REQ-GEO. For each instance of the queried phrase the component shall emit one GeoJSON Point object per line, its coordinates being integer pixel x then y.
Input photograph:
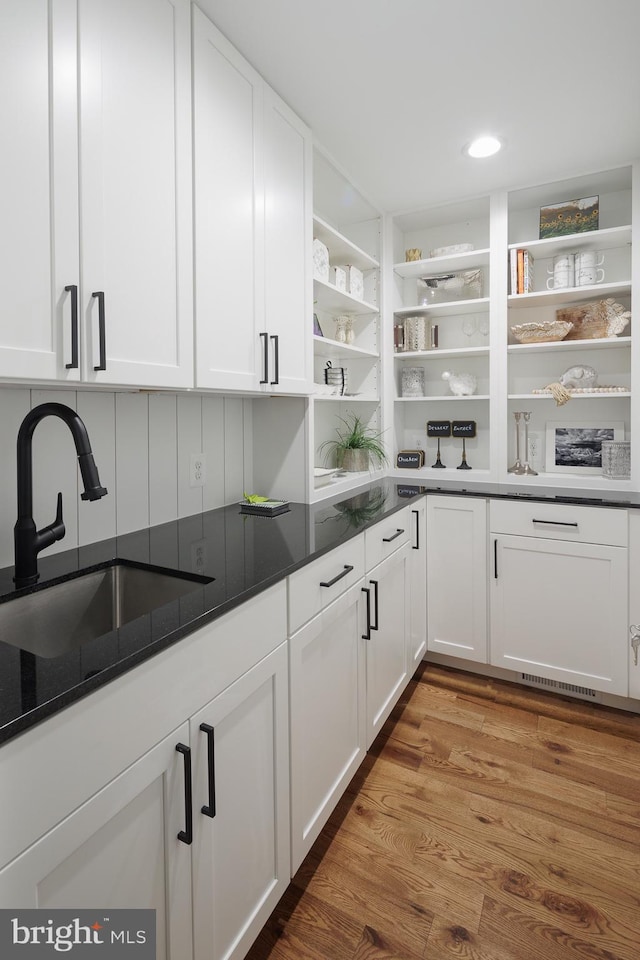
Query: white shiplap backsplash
{"type": "Point", "coordinates": [142, 444]}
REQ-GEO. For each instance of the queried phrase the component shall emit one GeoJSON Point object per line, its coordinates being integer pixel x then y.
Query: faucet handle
{"type": "Point", "coordinates": [54, 531]}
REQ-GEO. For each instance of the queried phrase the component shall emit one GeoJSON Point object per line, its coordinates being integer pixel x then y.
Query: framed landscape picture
{"type": "Point", "coordinates": [570, 216]}
{"type": "Point", "coordinates": [577, 447]}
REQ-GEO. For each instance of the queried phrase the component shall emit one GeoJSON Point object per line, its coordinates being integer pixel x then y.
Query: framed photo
{"type": "Point", "coordinates": [577, 447]}
{"type": "Point", "coordinates": [570, 216]}
{"type": "Point", "coordinates": [317, 329]}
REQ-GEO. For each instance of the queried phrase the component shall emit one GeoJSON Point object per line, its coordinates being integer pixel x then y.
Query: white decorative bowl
{"type": "Point", "coordinates": [545, 332]}
{"type": "Point", "coordinates": [451, 250]}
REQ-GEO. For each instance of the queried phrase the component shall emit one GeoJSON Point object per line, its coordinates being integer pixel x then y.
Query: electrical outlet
{"type": "Point", "coordinates": [418, 445]}
{"type": "Point", "coordinates": [197, 471]}
{"type": "Point", "coordinates": [198, 556]}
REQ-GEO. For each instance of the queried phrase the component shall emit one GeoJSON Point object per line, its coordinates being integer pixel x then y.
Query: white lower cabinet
{"type": "Point", "coordinates": [418, 578]}
{"type": "Point", "coordinates": [118, 850]}
{"type": "Point", "coordinates": [327, 701]}
{"type": "Point", "coordinates": [387, 633]}
{"type": "Point", "coordinates": [559, 610]}
{"type": "Point", "coordinates": [633, 637]}
{"type": "Point", "coordinates": [457, 577]}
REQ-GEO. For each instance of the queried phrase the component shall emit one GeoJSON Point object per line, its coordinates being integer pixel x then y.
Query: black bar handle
{"type": "Point", "coordinates": [556, 523]}
{"type": "Point", "coordinates": [376, 625]}
{"type": "Point", "coordinates": [396, 534]}
{"type": "Point", "coordinates": [102, 364]}
{"type": "Point", "coordinates": [367, 635]}
{"type": "Point", "coordinates": [495, 559]}
{"type": "Point", "coordinates": [417, 543]}
{"type": "Point", "coordinates": [186, 835]}
{"type": "Point", "coordinates": [329, 583]}
{"type": "Point", "coordinates": [276, 357]}
{"type": "Point", "coordinates": [265, 347]}
{"type": "Point", "coordinates": [210, 809]}
{"type": "Point", "coordinates": [73, 290]}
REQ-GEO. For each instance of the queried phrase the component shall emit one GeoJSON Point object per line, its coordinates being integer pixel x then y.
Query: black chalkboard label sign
{"type": "Point", "coordinates": [411, 459]}
{"type": "Point", "coordinates": [408, 489]}
{"type": "Point", "coordinates": [438, 428]}
{"type": "Point", "coordinates": [463, 428]}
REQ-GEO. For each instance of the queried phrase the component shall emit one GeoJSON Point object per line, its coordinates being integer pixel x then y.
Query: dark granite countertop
{"type": "Point", "coordinates": [243, 554]}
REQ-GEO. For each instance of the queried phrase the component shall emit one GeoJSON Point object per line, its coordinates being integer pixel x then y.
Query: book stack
{"type": "Point", "coordinates": [521, 270]}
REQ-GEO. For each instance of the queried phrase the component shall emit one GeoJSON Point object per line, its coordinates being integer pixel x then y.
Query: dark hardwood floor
{"type": "Point", "coordinates": [488, 822]}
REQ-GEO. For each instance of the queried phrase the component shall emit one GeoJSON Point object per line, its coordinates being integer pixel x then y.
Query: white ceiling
{"type": "Point", "coordinates": [393, 89]}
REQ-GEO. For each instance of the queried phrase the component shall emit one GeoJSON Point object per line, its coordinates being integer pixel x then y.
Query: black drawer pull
{"type": "Point", "coordinates": [209, 809]}
{"type": "Point", "coordinates": [376, 625]}
{"type": "Point", "coordinates": [265, 347]}
{"type": "Point", "coordinates": [495, 559]}
{"type": "Point", "coordinates": [102, 362]}
{"type": "Point", "coordinates": [73, 290]}
{"type": "Point", "coordinates": [186, 835]}
{"type": "Point", "coordinates": [367, 635]}
{"type": "Point", "coordinates": [276, 358]}
{"type": "Point", "coordinates": [329, 583]}
{"type": "Point", "coordinates": [556, 523]}
{"type": "Point", "coordinates": [396, 534]}
{"type": "Point", "coordinates": [416, 545]}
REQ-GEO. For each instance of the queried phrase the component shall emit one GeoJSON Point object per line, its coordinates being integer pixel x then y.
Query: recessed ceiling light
{"type": "Point", "coordinates": [483, 147]}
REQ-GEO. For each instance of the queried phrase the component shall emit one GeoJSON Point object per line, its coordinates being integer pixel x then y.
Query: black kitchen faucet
{"type": "Point", "coordinates": [28, 540]}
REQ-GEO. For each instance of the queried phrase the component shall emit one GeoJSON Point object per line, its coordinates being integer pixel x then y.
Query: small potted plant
{"type": "Point", "coordinates": [356, 446]}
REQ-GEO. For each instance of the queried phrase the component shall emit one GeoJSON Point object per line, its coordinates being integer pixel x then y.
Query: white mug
{"type": "Point", "coordinates": [563, 272]}
{"type": "Point", "coordinates": [587, 268]}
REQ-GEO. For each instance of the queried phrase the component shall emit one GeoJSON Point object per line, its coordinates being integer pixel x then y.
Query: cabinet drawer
{"type": "Point", "coordinates": [387, 536]}
{"type": "Point", "coordinates": [556, 521]}
{"type": "Point", "coordinates": [319, 583]}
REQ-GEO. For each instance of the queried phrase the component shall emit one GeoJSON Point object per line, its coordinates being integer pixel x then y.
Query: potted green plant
{"type": "Point", "coordinates": [356, 445]}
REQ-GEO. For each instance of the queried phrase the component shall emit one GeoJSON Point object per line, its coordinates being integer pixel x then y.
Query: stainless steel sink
{"type": "Point", "coordinates": [54, 619]}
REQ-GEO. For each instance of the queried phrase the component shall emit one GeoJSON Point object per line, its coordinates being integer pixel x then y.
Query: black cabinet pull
{"type": "Point", "coordinates": [556, 523]}
{"type": "Point", "coordinates": [186, 835]}
{"type": "Point", "coordinates": [73, 290]}
{"type": "Point", "coordinates": [417, 516]}
{"type": "Point", "coordinates": [367, 635]}
{"type": "Point", "coordinates": [495, 559]}
{"type": "Point", "coordinates": [396, 534]}
{"type": "Point", "coordinates": [329, 583]}
{"type": "Point", "coordinates": [375, 626]}
{"type": "Point", "coordinates": [102, 342]}
{"type": "Point", "coordinates": [210, 809]}
{"type": "Point", "coordinates": [265, 354]}
{"type": "Point", "coordinates": [276, 358]}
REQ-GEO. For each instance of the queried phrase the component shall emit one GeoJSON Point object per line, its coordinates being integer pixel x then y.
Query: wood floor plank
{"type": "Point", "coordinates": [461, 838]}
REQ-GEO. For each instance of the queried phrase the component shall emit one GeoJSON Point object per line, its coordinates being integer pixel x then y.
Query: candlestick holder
{"type": "Point", "coordinates": [527, 469]}
{"type": "Point", "coordinates": [517, 467]}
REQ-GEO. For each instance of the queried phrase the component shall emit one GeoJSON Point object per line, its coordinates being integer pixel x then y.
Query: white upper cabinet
{"type": "Point", "coordinates": [39, 253]}
{"type": "Point", "coordinates": [135, 157]}
{"type": "Point", "coordinates": [252, 226]}
{"type": "Point", "coordinates": [108, 83]}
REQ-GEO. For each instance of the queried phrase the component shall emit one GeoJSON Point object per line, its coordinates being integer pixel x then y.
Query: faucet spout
{"type": "Point", "coordinates": [29, 541]}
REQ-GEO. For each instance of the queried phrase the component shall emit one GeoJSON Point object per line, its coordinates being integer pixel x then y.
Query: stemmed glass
{"type": "Point", "coordinates": [483, 326]}
{"type": "Point", "coordinates": [469, 327]}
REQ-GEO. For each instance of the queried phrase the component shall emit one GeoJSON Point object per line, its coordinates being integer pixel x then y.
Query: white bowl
{"type": "Point", "coordinates": [451, 250]}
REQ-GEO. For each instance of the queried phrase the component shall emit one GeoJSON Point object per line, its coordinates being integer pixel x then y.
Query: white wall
{"type": "Point", "coordinates": [142, 444]}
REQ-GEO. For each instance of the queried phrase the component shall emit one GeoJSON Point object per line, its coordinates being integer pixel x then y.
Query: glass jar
{"type": "Point", "coordinates": [413, 382]}
{"type": "Point", "coordinates": [415, 333]}
{"type": "Point", "coordinates": [616, 459]}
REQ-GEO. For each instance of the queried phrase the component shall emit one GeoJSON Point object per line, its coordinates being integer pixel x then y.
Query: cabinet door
{"type": "Point", "coordinates": [559, 610]}
{"type": "Point", "coordinates": [135, 168]}
{"type": "Point", "coordinates": [287, 246]}
{"type": "Point", "coordinates": [386, 645]}
{"type": "Point", "coordinates": [228, 212]}
{"type": "Point", "coordinates": [326, 663]}
{"type": "Point", "coordinates": [119, 849]}
{"type": "Point", "coordinates": [457, 577]}
{"type": "Point", "coordinates": [418, 574]}
{"type": "Point", "coordinates": [241, 853]}
{"type": "Point", "coordinates": [633, 637]}
{"type": "Point", "coordinates": [39, 253]}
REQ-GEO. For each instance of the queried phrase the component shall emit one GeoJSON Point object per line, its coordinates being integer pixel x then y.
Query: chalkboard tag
{"type": "Point", "coordinates": [438, 428]}
{"type": "Point", "coordinates": [410, 459]}
{"type": "Point", "coordinates": [463, 428]}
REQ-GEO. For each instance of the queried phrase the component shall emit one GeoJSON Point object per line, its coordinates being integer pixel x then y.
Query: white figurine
{"type": "Point", "coordinates": [579, 376]}
{"type": "Point", "coordinates": [460, 384]}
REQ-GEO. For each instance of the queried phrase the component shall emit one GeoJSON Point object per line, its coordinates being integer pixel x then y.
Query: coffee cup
{"type": "Point", "coordinates": [588, 268]}
{"type": "Point", "coordinates": [562, 272]}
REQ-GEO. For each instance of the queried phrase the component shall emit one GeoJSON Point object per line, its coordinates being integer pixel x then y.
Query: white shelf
{"type": "Point", "coordinates": [569, 294]}
{"type": "Point", "coordinates": [474, 475]}
{"type": "Point", "coordinates": [330, 486]}
{"type": "Point", "coordinates": [324, 347]}
{"type": "Point", "coordinates": [445, 397]}
{"type": "Point", "coordinates": [578, 396]}
{"type": "Point", "coordinates": [345, 398]}
{"type": "Point", "coordinates": [564, 345]}
{"type": "Point", "coordinates": [607, 239]}
{"type": "Point", "coordinates": [342, 250]}
{"type": "Point", "coordinates": [437, 352]}
{"type": "Point", "coordinates": [330, 298]}
{"type": "Point", "coordinates": [432, 266]}
{"type": "Point", "coordinates": [450, 308]}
